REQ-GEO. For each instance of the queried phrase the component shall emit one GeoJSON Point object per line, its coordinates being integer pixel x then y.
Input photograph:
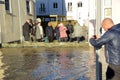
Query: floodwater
{"type": "Point", "coordinates": [46, 64]}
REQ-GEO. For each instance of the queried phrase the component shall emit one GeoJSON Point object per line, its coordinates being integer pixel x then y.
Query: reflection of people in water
{"type": "Point", "coordinates": [64, 60]}
{"type": "Point", "coordinates": [30, 58]}
{"type": "Point", "coordinates": [56, 66]}
{"type": "Point", "coordinates": [59, 66]}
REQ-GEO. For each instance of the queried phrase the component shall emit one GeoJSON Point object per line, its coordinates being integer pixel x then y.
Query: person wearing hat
{"type": "Point", "coordinates": [39, 30]}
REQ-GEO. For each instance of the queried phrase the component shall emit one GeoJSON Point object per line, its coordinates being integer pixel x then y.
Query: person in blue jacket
{"type": "Point", "coordinates": [111, 40]}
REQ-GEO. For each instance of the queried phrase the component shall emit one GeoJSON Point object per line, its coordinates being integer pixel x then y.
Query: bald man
{"type": "Point", "coordinates": [111, 40]}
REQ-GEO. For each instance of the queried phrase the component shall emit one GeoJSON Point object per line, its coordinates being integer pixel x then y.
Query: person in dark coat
{"type": "Point", "coordinates": [70, 30]}
{"type": "Point", "coordinates": [49, 32]}
{"type": "Point", "coordinates": [57, 33]}
{"type": "Point", "coordinates": [27, 29]}
{"type": "Point", "coordinates": [33, 32]}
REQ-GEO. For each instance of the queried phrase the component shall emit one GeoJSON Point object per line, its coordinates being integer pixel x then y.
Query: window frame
{"type": "Point", "coordinates": [69, 6]}
{"type": "Point", "coordinates": [29, 7]}
{"type": "Point", "coordinates": [42, 8]}
{"type": "Point", "coordinates": [55, 5]}
{"type": "Point", "coordinates": [8, 5]}
{"type": "Point", "coordinates": [80, 4]}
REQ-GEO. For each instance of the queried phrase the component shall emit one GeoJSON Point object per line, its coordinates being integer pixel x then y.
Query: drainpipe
{"type": "Point", "coordinates": [34, 9]}
{"type": "Point", "coordinates": [97, 31]}
{"type": "Point", "coordinates": [1, 3]}
{"type": "Point", "coordinates": [20, 23]}
{"type": "Point", "coordinates": [0, 30]}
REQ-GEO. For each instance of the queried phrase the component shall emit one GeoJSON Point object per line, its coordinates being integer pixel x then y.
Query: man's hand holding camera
{"type": "Point", "coordinates": [95, 37]}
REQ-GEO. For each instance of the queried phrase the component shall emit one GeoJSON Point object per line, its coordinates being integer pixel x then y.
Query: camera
{"type": "Point", "coordinates": [95, 36]}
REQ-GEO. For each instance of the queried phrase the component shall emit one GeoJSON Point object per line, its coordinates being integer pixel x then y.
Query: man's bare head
{"type": "Point", "coordinates": [107, 23]}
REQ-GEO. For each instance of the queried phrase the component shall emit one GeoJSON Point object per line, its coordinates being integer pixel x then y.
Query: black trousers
{"type": "Point", "coordinates": [113, 72]}
{"type": "Point", "coordinates": [70, 37]}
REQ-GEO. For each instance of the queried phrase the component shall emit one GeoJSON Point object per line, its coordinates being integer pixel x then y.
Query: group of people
{"type": "Point", "coordinates": [33, 31]}
{"type": "Point", "coordinates": [63, 33]}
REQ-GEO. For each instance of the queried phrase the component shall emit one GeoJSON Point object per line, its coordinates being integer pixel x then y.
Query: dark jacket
{"type": "Point", "coordinates": [26, 31]}
{"type": "Point", "coordinates": [49, 32]}
{"type": "Point", "coordinates": [111, 40]}
{"type": "Point", "coordinates": [70, 28]}
{"type": "Point", "coordinates": [57, 32]}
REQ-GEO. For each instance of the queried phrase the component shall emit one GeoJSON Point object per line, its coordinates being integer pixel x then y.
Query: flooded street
{"type": "Point", "coordinates": [46, 64]}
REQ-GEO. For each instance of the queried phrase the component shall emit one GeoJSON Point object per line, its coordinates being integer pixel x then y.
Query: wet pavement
{"type": "Point", "coordinates": [46, 64]}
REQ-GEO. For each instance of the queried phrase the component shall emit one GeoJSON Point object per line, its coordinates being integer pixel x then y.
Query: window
{"type": "Point", "coordinates": [70, 6]}
{"type": "Point", "coordinates": [42, 8]}
{"type": "Point", "coordinates": [55, 5]}
{"type": "Point", "coordinates": [8, 6]}
{"type": "Point", "coordinates": [80, 4]}
{"type": "Point", "coordinates": [108, 3]}
{"type": "Point", "coordinates": [29, 6]}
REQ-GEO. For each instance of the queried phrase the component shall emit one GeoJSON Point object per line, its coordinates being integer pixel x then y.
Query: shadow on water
{"type": "Point", "coordinates": [45, 64]}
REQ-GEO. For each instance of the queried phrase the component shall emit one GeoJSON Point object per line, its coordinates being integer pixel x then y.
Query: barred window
{"type": "Point", "coordinates": [42, 8]}
{"type": "Point", "coordinates": [70, 6]}
{"type": "Point", "coordinates": [55, 5]}
{"type": "Point", "coordinates": [80, 4]}
{"type": "Point", "coordinates": [8, 6]}
{"type": "Point", "coordinates": [29, 6]}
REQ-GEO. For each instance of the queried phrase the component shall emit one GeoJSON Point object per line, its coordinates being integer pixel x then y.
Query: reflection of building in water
{"type": "Point", "coordinates": [61, 65]}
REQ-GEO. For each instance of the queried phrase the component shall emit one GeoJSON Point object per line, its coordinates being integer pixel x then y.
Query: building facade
{"type": "Point", "coordinates": [50, 7]}
{"type": "Point", "coordinates": [77, 10]}
{"type": "Point", "coordinates": [73, 10]}
{"type": "Point", "coordinates": [98, 10]}
{"type": "Point", "coordinates": [13, 14]}
{"type": "Point", "coordinates": [110, 8]}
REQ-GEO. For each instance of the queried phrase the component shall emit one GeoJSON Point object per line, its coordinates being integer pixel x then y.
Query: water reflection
{"type": "Point", "coordinates": [1, 64]}
{"type": "Point", "coordinates": [45, 64]}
